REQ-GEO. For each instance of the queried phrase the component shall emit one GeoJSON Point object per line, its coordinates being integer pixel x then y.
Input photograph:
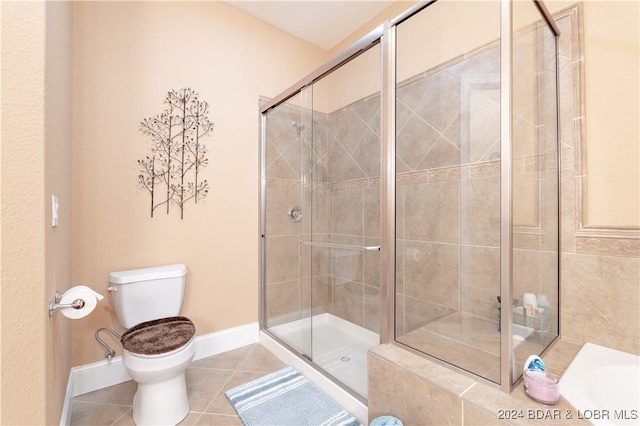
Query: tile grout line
{"type": "Point", "coordinates": [467, 389]}
{"type": "Point", "coordinates": [233, 372]}
{"type": "Point", "coordinates": [123, 414]}
{"type": "Point", "coordinates": [216, 395]}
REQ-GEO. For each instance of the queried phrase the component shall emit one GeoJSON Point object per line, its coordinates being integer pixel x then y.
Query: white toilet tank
{"type": "Point", "coordinates": [141, 295]}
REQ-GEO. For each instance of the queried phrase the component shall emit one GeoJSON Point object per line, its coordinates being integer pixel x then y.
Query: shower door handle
{"type": "Point", "coordinates": [342, 246]}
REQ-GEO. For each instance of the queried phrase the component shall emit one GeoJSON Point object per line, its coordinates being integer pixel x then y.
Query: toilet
{"type": "Point", "coordinates": [158, 344]}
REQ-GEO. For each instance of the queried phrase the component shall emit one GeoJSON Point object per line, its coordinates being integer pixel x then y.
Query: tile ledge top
{"type": "Point", "coordinates": [495, 402]}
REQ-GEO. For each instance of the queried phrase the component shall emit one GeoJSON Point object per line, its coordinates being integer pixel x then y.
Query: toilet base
{"type": "Point", "coordinates": [161, 403]}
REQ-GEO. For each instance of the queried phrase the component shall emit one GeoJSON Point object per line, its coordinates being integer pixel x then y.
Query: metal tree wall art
{"type": "Point", "coordinates": [171, 173]}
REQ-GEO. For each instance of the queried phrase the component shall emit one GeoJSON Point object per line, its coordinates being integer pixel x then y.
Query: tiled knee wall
{"type": "Point", "coordinates": [419, 391]}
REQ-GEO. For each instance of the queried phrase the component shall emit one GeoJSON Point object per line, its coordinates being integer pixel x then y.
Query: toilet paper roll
{"type": "Point", "coordinates": [83, 292]}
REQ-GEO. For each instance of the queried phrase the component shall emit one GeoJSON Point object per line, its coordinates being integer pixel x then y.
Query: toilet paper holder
{"type": "Point", "coordinates": [57, 306]}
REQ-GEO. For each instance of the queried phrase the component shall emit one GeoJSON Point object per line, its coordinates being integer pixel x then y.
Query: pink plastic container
{"type": "Point", "coordinates": [542, 387]}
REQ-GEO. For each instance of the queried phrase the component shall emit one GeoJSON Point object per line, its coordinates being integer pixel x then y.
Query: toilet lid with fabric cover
{"type": "Point", "coordinates": [158, 336]}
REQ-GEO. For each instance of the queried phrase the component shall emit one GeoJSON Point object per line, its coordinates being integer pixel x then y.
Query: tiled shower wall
{"type": "Point", "coordinates": [352, 161]}
{"type": "Point", "coordinates": [340, 202]}
{"type": "Point", "coordinates": [283, 190]}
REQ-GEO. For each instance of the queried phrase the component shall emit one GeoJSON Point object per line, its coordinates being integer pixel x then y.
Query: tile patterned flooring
{"type": "Point", "coordinates": [207, 380]}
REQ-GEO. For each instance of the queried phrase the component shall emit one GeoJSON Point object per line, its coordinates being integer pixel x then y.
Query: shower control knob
{"type": "Point", "coordinates": [294, 214]}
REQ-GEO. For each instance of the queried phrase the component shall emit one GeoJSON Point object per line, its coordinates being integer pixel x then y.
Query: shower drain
{"type": "Point", "coordinates": [345, 359]}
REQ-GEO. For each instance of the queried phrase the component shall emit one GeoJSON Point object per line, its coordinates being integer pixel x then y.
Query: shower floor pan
{"type": "Point", "coordinates": [339, 347]}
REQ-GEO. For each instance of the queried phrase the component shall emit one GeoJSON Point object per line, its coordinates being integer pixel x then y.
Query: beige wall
{"type": "Point", "coordinates": [612, 137]}
{"type": "Point", "coordinates": [22, 225]}
{"type": "Point", "coordinates": [36, 142]}
{"type": "Point", "coordinates": [127, 55]}
{"type": "Point", "coordinates": [612, 73]}
{"type": "Point", "coordinates": [390, 12]}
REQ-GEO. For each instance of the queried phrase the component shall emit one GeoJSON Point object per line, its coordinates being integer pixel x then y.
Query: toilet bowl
{"type": "Point", "coordinates": [156, 355]}
{"type": "Point", "coordinates": [161, 397]}
{"type": "Point", "coordinates": [158, 344]}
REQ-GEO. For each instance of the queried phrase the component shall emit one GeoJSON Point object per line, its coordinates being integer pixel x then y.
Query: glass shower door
{"type": "Point", "coordinates": [448, 186]}
{"type": "Point", "coordinates": [343, 192]}
{"type": "Point", "coordinates": [535, 176]}
{"type": "Point", "coordinates": [477, 212]}
{"type": "Point", "coordinates": [287, 294]}
{"type": "Point", "coordinates": [321, 221]}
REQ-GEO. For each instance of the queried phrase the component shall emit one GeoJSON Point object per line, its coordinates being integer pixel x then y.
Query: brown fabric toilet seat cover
{"type": "Point", "coordinates": [159, 336]}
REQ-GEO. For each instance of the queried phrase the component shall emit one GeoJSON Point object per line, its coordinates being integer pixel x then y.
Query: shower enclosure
{"type": "Point", "coordinates": [409, 195]}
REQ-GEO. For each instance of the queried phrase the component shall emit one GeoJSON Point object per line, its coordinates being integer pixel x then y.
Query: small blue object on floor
{"type": "Point", "coordinates": [386, 421]}
{"type": "Point", "coordinates": [286, 397]}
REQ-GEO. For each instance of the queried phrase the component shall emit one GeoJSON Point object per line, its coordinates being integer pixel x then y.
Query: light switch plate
{"type": "Point", "coordinates": [54, 211]}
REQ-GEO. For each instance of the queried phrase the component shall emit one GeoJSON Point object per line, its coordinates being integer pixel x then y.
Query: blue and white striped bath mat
{"type": "Point", "coordinates": [286, 398]}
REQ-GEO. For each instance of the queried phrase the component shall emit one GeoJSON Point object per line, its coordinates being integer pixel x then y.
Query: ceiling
{"type": "Point", "coordinates": [323, 23]}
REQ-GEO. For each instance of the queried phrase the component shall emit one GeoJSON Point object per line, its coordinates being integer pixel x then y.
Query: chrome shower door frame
{"type": "Point", "coordinates": [368, 41]}
{"type": "Point", "coordinates": [508, 377]}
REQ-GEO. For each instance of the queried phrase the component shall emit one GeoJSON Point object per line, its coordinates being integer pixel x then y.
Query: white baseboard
{"type": "Point", "coordinates": [226, 340]}
{"type": "Point", "coordinates": [67, 405]}
{"type": "Point", "coordinates": [98, 375]}
{"type": "Point", "coordinates": [102, 374]}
